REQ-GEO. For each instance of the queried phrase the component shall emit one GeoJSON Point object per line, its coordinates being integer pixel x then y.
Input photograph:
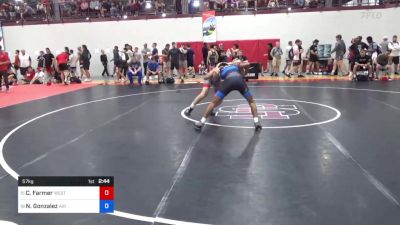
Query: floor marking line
{"type": "Point", "coordinates": [385, 103]}
{"type": "Point", "coordinates": [162, 205]}
{"type": "Point", "coordinates": [373, 180]}
{"type": "Point", "coordinates": [15, 175]}
{"type": "Point", "coordinates": [337, 116]}
{"type": "Point", "coordinates": [75, 139]}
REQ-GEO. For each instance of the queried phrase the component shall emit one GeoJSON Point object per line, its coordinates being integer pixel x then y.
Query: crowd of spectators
{"type": "Point", "coordinates": [21, 10]}
{"type": "Point", "coordinates": [145, 63]}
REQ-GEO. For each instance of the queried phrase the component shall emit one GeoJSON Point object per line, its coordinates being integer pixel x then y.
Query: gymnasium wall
{"type": "Point", "coordinates": [104, 35]}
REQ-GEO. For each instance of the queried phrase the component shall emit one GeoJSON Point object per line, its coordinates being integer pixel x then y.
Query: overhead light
{"type": "Point", "coordinates": [148, 5]}
{"type": "Point", "coordinates": [289, 9]}
{"type": "Point", "coordinates": [196, 3]}
{"type": "Point", "coordinates": [163, 15]}
{"type": "Point", "coordinates": [125, 17]}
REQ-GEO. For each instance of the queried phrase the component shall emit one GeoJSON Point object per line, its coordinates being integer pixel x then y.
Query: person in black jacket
{"type": "Point", "coordinates": [104, 61]}
{"type": "Point", "coordinates": [85, 59]}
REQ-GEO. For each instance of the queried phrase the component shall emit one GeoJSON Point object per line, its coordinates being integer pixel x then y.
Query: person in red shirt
{"type": "Point", "coordinates": [4, 65]}
{"type": "Point", "coordinates": [62, 61]}
{"type": "Point", "coordinates": [30, 74]}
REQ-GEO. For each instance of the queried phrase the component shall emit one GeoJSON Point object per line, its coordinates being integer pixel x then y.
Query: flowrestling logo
{"type": "Point", "coordinates": [273, 113]}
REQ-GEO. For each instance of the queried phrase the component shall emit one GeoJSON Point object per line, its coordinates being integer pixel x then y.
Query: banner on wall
{"type": "Point", "coordinates": [209, 27]}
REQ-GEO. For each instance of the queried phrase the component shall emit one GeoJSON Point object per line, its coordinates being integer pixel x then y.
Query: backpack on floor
{"type": "Point", "coordinates": [75, 80]}
{"type": "Point", "coordinates": [170, 80]}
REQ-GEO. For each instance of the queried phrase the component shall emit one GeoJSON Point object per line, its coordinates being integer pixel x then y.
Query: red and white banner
{"type": "Point", "coordinates": [209, 27]}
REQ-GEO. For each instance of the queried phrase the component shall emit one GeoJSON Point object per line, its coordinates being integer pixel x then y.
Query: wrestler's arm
{"type": "Point", "coordinates": [210, 74]}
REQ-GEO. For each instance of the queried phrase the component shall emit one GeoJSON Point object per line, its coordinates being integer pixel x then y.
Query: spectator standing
{"type": "Point", "coordinates": [130, 53]}
{"type": "Point", "coordinates": [183, 60]}
{"type": "Point", "coordinates": [313, 58]}
{"type": "Point", "coordinates": [174, 55]}
{"type": "Point", "coordinates": [276, 58]}
{"type": "Point", "coordinates": [4, 65]}
{"type": "Point", "coordinates": [394, 47]}
{"type": "Point", "coordinates": [116, 60]}
{"type": "Point", "coordinates": [73, 62]}
{"type": "Point", "coordinates": [85, 58]}
{"type": "Point", "coordinates": [166, 63]}
{"type": "Point", "coordinates": [124, 56]}
{"type": "Point", "coordinates": [296, 65]}
{"type": "Point", "coordinates": [221, 53]}
{"type": "Point", "coordinates": [48, 64]}
{"type": "Point", "coordinates": [212, 58]}
{"type": "Point", "coordinates": [384, 45]}
{"type": "Point", "coordinates": [339, 50]}
{"type": "Point", "coordinates": [104, 62]}
{"type": "Point", "coordinates": [154, 52]}
{"type": "Point", "coordinates": [146, 53]}
{"type": "Point", "coordinates": [233, 52]}
{"type": "Point", "coordinates": [289, 57]}
{"type": "Point", "coordinates": [62, 60]}
{"type": "Point", "coordinates": [25, 62]}
{"type": "Point", "coordinates": [40, 61]}
{"type": "Point", "coordinates": [190, 60]}
{"type": "Point", "coordinates": [373, 51]}
{"type": "Point", "coordinates": [270, 58]}
{"type": "Point", "coordinates": [17, 62]}
{"type": "Point", "coordinates": [205, 50]}
{"type": "Point", "coordinates": [139, 57]}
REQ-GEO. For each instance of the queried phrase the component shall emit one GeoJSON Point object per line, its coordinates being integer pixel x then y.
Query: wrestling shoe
{"type": "Point", "coordinates": [188, 111]}
{"type": "Point", "coordinates": [198, 125]}
{"type": "Point", "coordinates": [258, 126]}
{"type": "Point", "coordinates": [147, 82]}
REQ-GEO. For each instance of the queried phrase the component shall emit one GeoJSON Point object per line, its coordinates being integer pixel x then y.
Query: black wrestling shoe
{"type": "Point", "coordinates": [188, 111]}
{"type": "Point", "coordinates": [198, 125]}
{"type": "Point", "coordinates": [147, 82]}
{"type": "Point", "coordinates": [258, 126]}
{"type": "Point", "coordinates": [288, 75]}
{"type": "Point", "coordinates": [300, 76]}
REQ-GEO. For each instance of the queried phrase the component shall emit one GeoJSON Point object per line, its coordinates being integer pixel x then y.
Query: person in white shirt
{"type": "Point", "coordinates": [296, 65]}
{"type": "Point", "coordinates": [25, 62]}
{"type": "Point", "coordinates": [289, 57]}
{"type": "Point", "coordinates": [73, 62]}
{"type": "Point", "coordinates": [39, 78]}
{"type": "Point", "coordinates": [394, 47]}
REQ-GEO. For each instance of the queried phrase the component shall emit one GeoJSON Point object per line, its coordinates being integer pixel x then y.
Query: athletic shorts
{"type": "Point", "coordinates": [63, 67]}
{"type": "Point", "coordinates": [174, 65]}
{"type": "Point", "coordinates": [234, 82]}
{"type": "Point", "coordinates": [86, 65]}
{"type": "Point", "coordinates": [339, 57]}
{"type": "Point", "coordinates": [23, 70]}
{"type": "Point", "coordinates": [183, 64]}
{"type": "Point", "coordinates": [190, 63]}
{"type": "Point", "coordinates": [313, 58]}
{"type": "Point", "coordinates": [296, 62]}
{"type": "Point", "coordinates": [49, 69]}
{"type": "Point", "coordinates": [167, 65]}
{"type": "Point", "coordinates": [395, 60]}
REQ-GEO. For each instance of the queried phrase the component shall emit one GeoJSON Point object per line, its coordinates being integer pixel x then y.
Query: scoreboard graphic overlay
{"type": "Point", "coordinates": [65, 194]}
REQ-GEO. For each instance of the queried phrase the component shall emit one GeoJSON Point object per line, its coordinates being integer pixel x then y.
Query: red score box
{"type": "Point", "coordinates": [106, 193]}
